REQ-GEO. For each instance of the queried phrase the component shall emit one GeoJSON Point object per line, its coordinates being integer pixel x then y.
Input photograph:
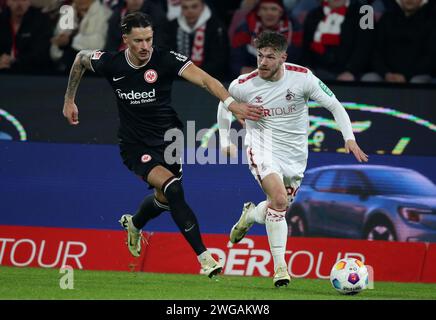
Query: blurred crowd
{"type": "Point", "coordinates": [337, 39]}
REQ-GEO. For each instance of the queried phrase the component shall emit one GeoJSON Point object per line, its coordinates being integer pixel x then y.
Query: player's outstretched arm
{"type": "Point", "coordinates": [81, 63]}
{"type": "Point", "coordinates": [344, 123]}
{"type": "Point", "coordinates": [318, 91]}
{"type": "Point", "coordinates": [241, 110]}
{"type": "Point", "coordinates": [352, 146]}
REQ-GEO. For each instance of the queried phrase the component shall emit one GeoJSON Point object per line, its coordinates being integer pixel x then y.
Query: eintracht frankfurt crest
{"type": "Point", "coordinates": [150, 76]}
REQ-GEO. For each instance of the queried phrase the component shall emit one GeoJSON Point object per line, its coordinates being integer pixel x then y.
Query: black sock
{"type": "Point", "coordinates": [150, 208]}
{"type": "Point", "coordinates": [183, 215]}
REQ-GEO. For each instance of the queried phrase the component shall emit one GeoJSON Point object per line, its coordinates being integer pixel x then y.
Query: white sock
{"type": "Point", "coordinates": [277, 230]}
{"type": "Point", "coordinates": [259, 213]}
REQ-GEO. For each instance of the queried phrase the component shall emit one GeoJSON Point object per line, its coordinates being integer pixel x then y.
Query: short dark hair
{"type": "Point", "coordinates": [271, 39]}
{"type": "Point", "coordinates": [135, 20]}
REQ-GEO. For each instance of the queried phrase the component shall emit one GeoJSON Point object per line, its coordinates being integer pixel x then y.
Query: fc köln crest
{"type": "Point", "coordinates": [290, 95]}
{"type": "Point", "coordinates": [150, 76]}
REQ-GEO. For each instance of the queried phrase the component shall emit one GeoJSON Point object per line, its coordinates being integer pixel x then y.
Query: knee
{"type": "Point", "coordinates": [279, 201]}
{"type": "Point", "coordinates": [173, 190]}
{"type": "Point", "coordinates": [160, 196]}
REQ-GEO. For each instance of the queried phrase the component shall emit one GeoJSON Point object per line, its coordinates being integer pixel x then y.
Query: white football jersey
{"type": "Point", "coordinates": [285, 109]}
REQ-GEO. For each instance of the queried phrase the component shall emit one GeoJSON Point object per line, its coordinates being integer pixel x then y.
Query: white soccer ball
{"type": "Point", "coordinates": [349, 276]}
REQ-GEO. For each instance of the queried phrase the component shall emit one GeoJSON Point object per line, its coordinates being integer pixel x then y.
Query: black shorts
{"type": "Point", "coordinates": [141, 159]}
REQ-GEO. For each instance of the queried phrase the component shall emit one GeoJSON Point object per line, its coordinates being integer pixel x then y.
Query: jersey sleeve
{"type": "Point", "coordinates": [316, 90]}
{"type": "Point", "coordinates": [176, 62]}
{"type": "Point", "coordinates": [225, 117]}
{"type": "Point", "coordinates": [224, 120]}
{"type": "Point", "coordinates": [100, 62]}
{"type": "Point", "coordinates": [235, 92]}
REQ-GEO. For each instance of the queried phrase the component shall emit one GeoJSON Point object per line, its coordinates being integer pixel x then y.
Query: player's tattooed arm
{"type": "Point", "coordinates": [81, 63]}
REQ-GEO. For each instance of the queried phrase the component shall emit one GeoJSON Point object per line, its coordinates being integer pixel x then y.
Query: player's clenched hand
{"type": "Point", "coordinates": [246, 111]}
{"type": "Point", "coordinates": [71, 112]}
{"type": "Point", "coordinates": [352, 146]}
{"type": "Point", "coordinates": [230, 150]}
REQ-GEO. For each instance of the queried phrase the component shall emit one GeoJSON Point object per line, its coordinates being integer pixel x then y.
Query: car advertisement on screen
{"type": "Point", "coordinates": [373, 202]}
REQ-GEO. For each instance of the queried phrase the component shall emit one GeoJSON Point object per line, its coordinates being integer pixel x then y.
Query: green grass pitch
{"type": "Point", "coordinates": [36, 283]}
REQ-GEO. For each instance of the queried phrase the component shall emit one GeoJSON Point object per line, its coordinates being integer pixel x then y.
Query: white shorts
{"type": "Point", "coordinates": [291, 172]}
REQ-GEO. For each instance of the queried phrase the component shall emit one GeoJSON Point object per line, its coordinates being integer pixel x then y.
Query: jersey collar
{"type": "Point", "coordinates": [130, 63]}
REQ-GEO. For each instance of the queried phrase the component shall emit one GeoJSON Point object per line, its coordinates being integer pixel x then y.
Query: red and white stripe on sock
{"type": "Point", "coordinates": [274, 215]}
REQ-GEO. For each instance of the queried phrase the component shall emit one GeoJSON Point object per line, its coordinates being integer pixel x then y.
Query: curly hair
{"type": "Point", "coordinates": [271, 39]}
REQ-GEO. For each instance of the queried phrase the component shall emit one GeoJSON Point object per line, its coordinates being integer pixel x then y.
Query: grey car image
{"type": "Point", "coordinates": [364, 202]}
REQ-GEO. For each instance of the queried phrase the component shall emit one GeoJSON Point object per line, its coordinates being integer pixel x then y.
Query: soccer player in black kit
{"type": "Point", "coordinates": [141, 77]}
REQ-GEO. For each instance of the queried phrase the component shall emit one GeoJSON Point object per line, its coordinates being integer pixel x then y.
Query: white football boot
{"type": "Point", "coordinates": [281, 277]}
{"type": "Point", "coordinates": [209, 266]}
{"type": "Point", "coordinates": [240, 229]}
{"type": "Point", "coordinates": [134, 236]}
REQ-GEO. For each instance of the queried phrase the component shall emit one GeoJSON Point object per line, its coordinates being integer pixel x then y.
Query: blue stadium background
{"type": "Point", "coordinates": [74, 177]}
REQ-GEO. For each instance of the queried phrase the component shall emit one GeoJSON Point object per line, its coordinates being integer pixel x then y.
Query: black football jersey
{"type": "Point", "coordinates": [143, 93]}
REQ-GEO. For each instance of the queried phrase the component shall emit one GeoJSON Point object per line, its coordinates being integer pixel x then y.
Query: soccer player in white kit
{"type": "Point", "coordinates": [277, 145]}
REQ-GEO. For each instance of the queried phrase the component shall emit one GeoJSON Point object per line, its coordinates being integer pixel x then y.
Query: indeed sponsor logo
{"type": "Point", "coordinates": [132, 95]}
